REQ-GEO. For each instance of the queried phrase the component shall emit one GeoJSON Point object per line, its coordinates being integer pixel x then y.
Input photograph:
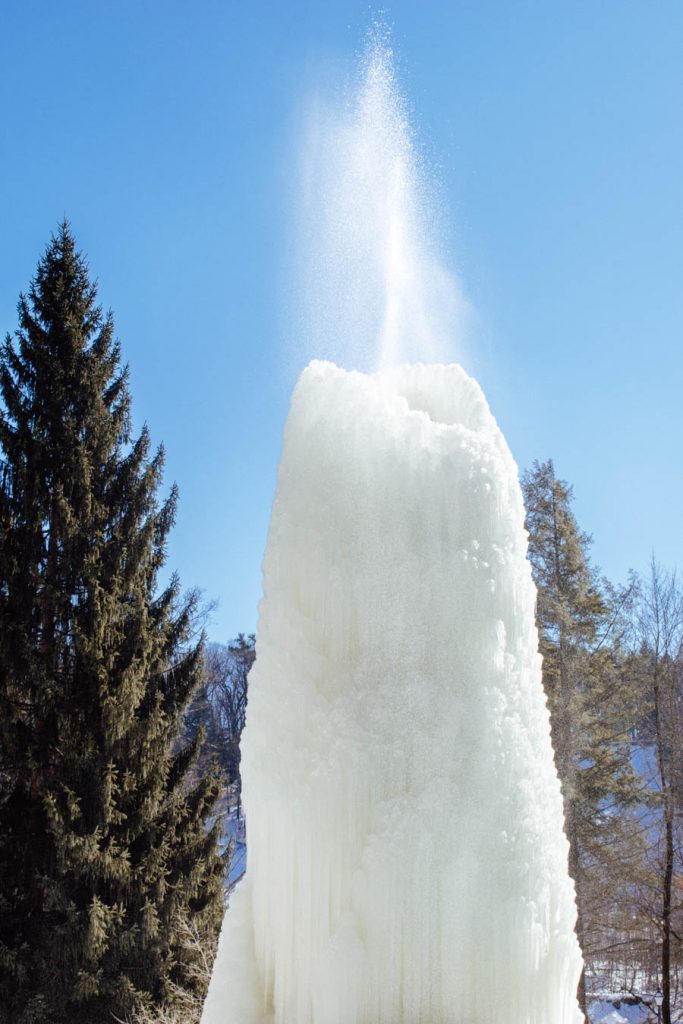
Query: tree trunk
{"type": "Point", "coordinates": [667, 878]}
{"type": "Point", "coordinates": [666, 920]}
{"type": "Point", "coordinates": [574, 870]}
{"type": "Point", "coordinates": [564, 755]}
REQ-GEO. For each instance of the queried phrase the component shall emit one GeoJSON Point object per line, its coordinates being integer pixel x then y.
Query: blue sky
{"type": "Point", "coordinates": [167, 133]}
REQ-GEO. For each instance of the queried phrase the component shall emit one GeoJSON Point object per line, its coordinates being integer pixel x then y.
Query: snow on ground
{"type": "Point", "coordinates": [234, 831]}
{"type": "Point", "coordinates": [238, 862]}
{"type": "Point", "coordinates": [619, 1010]}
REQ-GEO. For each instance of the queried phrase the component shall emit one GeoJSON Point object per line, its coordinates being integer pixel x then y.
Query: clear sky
{"type": "Point", "coordinates": [167, 133]}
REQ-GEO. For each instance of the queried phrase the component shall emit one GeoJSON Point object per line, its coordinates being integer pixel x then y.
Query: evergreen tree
{"type": "Point", "coordinates": [103, 845]}
{"type": "Point", "coordinates": [589, 698]}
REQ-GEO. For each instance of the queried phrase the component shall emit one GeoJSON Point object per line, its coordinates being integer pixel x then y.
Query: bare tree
{"type": "Point", "coordinates": [219, 707]}
{"type": "Point", "coordinates": [227, 671]}
{"type": "Point", "coordinates": [659, 623]}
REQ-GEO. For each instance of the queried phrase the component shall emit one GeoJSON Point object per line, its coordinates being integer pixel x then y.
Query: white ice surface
{"type": "Point", "coordinates": [407, 863]}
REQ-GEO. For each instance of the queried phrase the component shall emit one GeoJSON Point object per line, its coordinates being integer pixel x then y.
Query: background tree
{"type": "Point", "coordinates": [590, 700]}
{"type": "Point", "coordinates": [657, 664]}
{"type": "Point", "coordinates": [219, 707]}
{"type": "Point", "coordinates": [103, 849]}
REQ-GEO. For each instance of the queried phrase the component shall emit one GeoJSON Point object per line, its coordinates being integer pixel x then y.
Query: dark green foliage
{"type": "Point", "coordinates": [103, 844]}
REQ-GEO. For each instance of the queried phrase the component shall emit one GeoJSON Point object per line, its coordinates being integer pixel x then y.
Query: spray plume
{"type": "Point", "coordinates": [375, 292]}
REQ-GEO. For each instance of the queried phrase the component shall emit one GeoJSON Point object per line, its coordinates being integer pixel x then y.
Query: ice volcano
{"type": "Point", "coordinates": [407, 861]}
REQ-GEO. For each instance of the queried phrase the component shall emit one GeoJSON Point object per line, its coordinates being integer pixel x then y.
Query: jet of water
{"type": "Point", "coordinates": [375, 291]}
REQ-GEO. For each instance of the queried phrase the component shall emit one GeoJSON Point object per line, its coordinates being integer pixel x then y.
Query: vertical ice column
{"type": "Point", "coordinates": [407, 861]}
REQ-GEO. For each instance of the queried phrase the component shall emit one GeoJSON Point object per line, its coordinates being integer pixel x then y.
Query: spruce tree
{"type": "Point", "coordinates": [104, 849]}
{"type": "Point", "coordinates": [589, 697]}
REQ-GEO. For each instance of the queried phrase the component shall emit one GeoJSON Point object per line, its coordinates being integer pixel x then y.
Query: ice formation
{"type": "Point", "coordinates": [407, 861]}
